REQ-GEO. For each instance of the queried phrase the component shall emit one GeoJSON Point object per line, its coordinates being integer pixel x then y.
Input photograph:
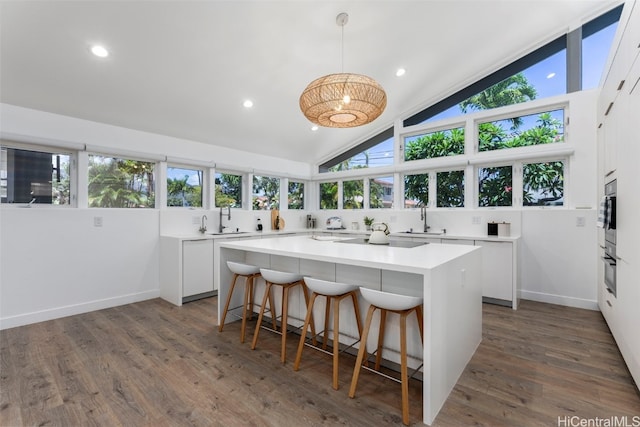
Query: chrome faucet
{"type": "Point", "coordinates": [423, 218]}
{"type": "Point", "coordinates": [203, 226]}
{"type": "Point", "coordinates": [222, 227]}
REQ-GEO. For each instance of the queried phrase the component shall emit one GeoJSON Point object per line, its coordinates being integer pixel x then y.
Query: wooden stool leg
{"type": "Point", "coordinates": [356, 310]}
{"type": "Point", "coordinates": [303, 335]}
{"type": "Point", "coordinates": [226, 306]}
{"type": "Point", "coordinates": [336, 340]}
{"type": "Point", "coordinates": [305, 291]}
{"type": "Point", "coordinates": [361, 352]}
{"type": "Point", "coordinates": [267, 296]}
{"type": "Point", "coordinates": [383, 322]}
{"type": "Point", "coordinates": [247, 285]}
{"type": "Point", "coordinates": [253, 282]}
{"type": "Point", "coordinates": [327, 311]}
{"type": "Point", "coordinates": [420, 320]}
{"type": "Point", "coordinates": [403, 367]}
{"type": "Point", "coordinates": [283, 325]}
{"type": "Point", "coordinates": [272, 311]}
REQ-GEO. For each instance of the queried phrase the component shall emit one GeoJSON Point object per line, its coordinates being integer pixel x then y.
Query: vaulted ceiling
{"type": "Point", "coordinates": [184, 68]}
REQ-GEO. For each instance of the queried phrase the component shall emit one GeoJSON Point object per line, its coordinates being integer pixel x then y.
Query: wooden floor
{"type": "Point", "coordinates": [154, 364]}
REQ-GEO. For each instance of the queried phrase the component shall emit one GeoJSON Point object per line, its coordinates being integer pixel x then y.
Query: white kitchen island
{"type": "Point", "coordinates": [447, 276]}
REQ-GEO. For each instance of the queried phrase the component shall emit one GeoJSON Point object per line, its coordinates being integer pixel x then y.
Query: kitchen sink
{"type": "Point", "coordinates": [228, 233]}
{"type": "Point", "coordinates": [425, 233]}
{"type": "Point", "coordinates": [392, 243]}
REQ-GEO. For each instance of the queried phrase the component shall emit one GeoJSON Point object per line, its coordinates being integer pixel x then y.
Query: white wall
{"type": "Point", "coordinates": [55, 262]}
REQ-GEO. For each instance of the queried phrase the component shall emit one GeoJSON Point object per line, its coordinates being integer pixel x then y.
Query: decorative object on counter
{"type": "Point", "coordinates": [380, 234]}
{"type": "Point", "coordinates": [504, 229]}
{"type": "Point", "coordinates": [492, 229]}
{"type": "Point", "coordinates": [277, 223]}
{"type": "Point", "coordinates": [367, 222]}
{"type": "Point", "coordinates": [259, 226]}
{"type": "Point", "coordinates": [311, 222]}
{"type": "Point", "coordinates": [355, 225]}
{"type": "Point", "coordinates": [343, 100]}
{"type": "Point", "coordinates": [334, 223]}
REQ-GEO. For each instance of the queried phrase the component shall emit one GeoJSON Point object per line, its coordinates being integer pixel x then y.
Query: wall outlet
{"type": "Point", "coordinates": [580, 221]}
{"type": "Point", "coordinates": [476, 220]}
{"type": "Point", "coordinates": [97, 221]}
{"type": "Point", "coordinates": [195, 220]}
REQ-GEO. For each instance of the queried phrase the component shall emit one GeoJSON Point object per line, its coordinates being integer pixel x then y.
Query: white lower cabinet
{"type": "Point", "coordinates": [497, 269]}
{"type": "Point", "coordinates": [197, 267]}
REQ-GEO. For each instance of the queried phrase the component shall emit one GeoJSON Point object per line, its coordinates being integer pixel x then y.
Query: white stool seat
{"type": "Point", "coordinates": [324, 287]}
{"type": "Point", "coordinates": [279, 277]}
{"type": "Point", "coordinates": [389, 301]}
{"type": "Point", "coordinates": [242, 269]}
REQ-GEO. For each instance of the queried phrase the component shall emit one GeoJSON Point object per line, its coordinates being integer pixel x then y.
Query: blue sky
{"type": "Point", "coordinates": [548, 77]}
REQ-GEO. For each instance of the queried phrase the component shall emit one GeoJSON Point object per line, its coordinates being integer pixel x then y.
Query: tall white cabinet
{"type": "Point", "coordinates": [619, 139]}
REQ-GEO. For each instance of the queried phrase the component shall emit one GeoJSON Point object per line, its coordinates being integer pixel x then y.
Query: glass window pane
{"type": "Point", "coordinates": [353, 194]}
{"type": "Point", "coordinates": [228, 190]}
{"type": "Point", "coordinates": [378, 155]}
{"type": "Point", "coordinates": [595, 51]}
{"type": "Point", "coordinates": [381, 192]}
{"type": "Point", "coordinates": [450, 189]}
{"type": "Point", "coordinates": [296, 195]}
{"type": "Point", "coordinates": [184, 187]}
{"type": "Point", "coordinates": [443, 143]}
{"type": "Point", "coordinates": [328, 195]}
{"type": "Point", "coordinates": [543, 184]}
{"type": "Point", "coordinates": [495, 186]}
{"type": "Point", "coordinates": [533, 129]}
{"type": "Point", "coordinates": [266, 193]}
{"type": "Point", "coordinates": [34, 177]}
{"type": "Point", "coordinates": [120, 183]}
{"type": "Point", "coordinates": [416, 190]}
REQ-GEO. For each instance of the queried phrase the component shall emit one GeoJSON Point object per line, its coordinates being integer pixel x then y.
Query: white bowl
{"type": "Point", "coordinates": [390, 301]}
{"type": "Point", "coordinates": [324, 287]}
{"type": "Point", "coordinates": [280, 277]}
{"type": "Point", "coordinates": [242, 269]}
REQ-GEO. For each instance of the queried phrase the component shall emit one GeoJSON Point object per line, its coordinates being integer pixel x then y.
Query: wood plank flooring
{"type": "Point", "coordinates": [154, 364]}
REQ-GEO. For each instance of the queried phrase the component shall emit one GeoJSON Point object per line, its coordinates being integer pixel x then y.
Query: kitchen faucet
{"type": "Point", "coordinates": [203, 225]}
{"type": "Point", "coordinates": [423, 217]}
{"type": "Point", "coordinates": [222, 227]}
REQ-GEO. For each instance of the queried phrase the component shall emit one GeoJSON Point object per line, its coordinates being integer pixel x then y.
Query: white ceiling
{"type": "Point", "coordinates": [184, 68]}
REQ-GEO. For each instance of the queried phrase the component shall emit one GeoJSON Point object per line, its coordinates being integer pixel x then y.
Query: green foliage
{"type": "Point", "coordinates": [416, 188]}
{"type": "Point", "coordinates": [266, 193]}
{"type": "Point", "coordinates": [353, 194]}
{"type": "Point", "coordinates": [376, 194]}
{"type": "Point", "coordinates": [495, 186]}
{"type": "Point", "coordinates": [542, 179]}
{"type": "Point", "coordinates": [116, 183]}
{"type": "Point", "coordinates": [228, 190]}
{"type": "Point", "coordinates": [181, 193]}
{"type": "Point", "coordinates": [328, 195]}
{"type": "Point", "coordinates": [436, 144]}
{"type": "Point", "coordinates": [296, 195]}
{"type": "Point", "coordinates": [450, 191]}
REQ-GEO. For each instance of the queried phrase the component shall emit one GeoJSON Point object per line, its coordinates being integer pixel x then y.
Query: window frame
{"type": "Point", "coordinates": [205, 184]}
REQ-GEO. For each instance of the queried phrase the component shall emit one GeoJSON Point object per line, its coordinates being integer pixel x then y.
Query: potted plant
{"type": "Point", "coordinates": [367, 222]}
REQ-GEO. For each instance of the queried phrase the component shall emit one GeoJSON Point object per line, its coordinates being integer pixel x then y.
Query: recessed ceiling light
{"type": "Point", "coordinates": [99, 51]}
{"type": "Point", "coordinates": [551, 75]}
{"type": "Point", "coordinates": [400, 72]}
{"type": "Point", "coordinates": [314, 128]}
{"type": "Point", "coordinates": [248, 103]}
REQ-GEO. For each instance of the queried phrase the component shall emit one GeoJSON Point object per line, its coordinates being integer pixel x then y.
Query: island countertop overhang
{"type": "Point", "coordinates": [410, 260]}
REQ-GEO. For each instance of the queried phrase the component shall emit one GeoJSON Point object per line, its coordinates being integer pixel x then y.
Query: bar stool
{"type": "Point", "coordinates": [388, 302]}
{"type": "Point", "coordinates": [287, 281]}
{"type": "Point", "coordinates": [249, 273]}
{"type": "Point", "coordinates": [333, 292]}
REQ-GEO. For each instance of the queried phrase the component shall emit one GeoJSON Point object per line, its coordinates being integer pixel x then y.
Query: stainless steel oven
{"type": "Point", "coordinates": [609, 256]}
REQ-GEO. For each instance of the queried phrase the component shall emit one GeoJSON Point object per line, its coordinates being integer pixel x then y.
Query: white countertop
{"type": "Point", "coordinates": [320, 231]}
{"type": "Point", "coordinates": [413, 260]}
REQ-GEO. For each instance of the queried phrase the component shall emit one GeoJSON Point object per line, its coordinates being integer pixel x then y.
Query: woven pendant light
{"type": "Point", "coordinates": [343, 100]}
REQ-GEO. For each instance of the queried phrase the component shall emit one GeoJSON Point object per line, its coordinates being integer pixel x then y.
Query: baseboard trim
{"type": "Point", "coordinates": [560, 300]}
{"type": "Point", "coordinates": [70, 310]}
